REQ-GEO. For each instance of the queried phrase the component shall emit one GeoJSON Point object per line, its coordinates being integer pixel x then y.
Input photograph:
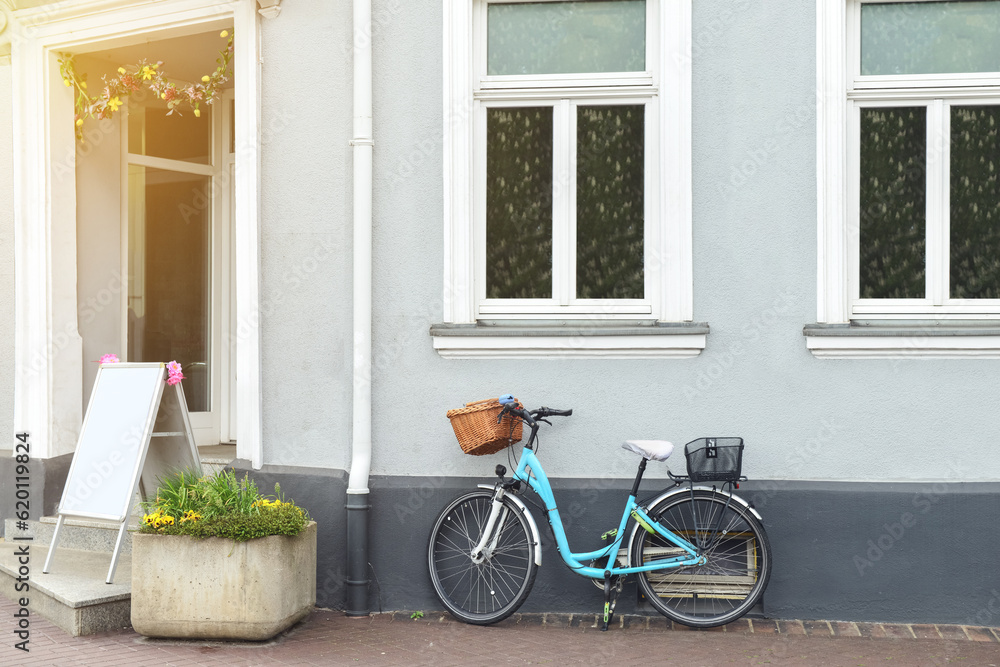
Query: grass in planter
{"type": "Point", "coordinates": [220, 505]}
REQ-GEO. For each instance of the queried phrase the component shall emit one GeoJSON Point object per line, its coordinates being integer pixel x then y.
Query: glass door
{"type": "Point", "coordinates": [176, 250]}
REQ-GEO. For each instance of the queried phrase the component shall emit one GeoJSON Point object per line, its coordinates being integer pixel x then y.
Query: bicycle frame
{"type": "Point", "coordinates": [530, 471]}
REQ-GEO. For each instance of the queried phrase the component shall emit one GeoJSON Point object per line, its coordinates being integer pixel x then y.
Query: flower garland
{"type": "Point", "coordinates": [144, 74]}
{"type": "Point", "coordinates": [174, 374]}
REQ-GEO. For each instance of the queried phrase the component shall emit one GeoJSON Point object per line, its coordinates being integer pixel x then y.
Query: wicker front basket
{"type": "Point", "coordinates": [477, 429]}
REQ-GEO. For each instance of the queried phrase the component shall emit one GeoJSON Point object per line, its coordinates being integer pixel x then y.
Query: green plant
{"type": "Point", "coordinates": [220, 505]}
{"type": "Point", "coordinates": [417, 615]}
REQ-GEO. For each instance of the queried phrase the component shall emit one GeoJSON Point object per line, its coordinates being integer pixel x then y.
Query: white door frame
{"type": "Point", "coordinates": [48, 347]}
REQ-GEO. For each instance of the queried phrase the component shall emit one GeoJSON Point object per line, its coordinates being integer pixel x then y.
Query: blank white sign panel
{"type": "Point", "coordinates": [102, 476]}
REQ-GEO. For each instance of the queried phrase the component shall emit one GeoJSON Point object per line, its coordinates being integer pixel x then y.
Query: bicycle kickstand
{"type": "Point", "coordinates": [609, 603]}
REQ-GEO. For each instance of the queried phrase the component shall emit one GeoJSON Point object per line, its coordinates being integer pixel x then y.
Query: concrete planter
{"type": "Point", "coordinates": [220, 589]}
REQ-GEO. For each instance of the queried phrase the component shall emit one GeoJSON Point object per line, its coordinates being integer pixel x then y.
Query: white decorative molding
{"type": "Point", "coordinates": [249, 390]}
{"type": "Point", "coordinates": [937, 347]}
{"type": "Point", "coordinates": [559, 347]}
{"type": "Point", "coordinates": [831, 115]}
{"type": "Point", "coordinates": [269, 9]}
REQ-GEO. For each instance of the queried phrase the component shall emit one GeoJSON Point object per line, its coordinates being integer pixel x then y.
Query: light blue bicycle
{"type": "Point", "coordinates": [700, 553]}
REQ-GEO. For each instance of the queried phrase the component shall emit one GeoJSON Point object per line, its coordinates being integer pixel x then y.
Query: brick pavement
{"type": "Point", "coordinates": [330, 638]}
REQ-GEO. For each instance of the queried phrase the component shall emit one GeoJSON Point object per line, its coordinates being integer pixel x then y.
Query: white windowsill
{"type": "Point", "coordinates": [903, 341]}
{"type": "Point", "coordinates": [569, 340]}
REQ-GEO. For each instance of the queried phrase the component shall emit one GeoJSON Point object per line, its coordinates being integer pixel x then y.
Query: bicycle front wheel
{"type": "Point", "coordinates": [492, 586]}
{"type": "Point", "coordinates": [737, 553]}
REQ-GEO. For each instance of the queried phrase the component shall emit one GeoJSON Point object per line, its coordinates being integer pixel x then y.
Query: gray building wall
{"type": "Point", "coordinates": [838, 450]}
{"type": "Point", "coordinates": [306, 235]}
{"type": "Point", "coordinates": [754, 283]}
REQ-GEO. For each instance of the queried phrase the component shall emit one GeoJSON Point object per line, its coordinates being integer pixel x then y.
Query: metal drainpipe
{"type": "Point", "coordinates": [357, 486]}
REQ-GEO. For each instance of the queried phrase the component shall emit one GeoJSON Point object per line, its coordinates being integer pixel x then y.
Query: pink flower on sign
{"type": "Point", "coordinates": [175, 374]}
{"type": "Point", "coordinates": [108, 359]}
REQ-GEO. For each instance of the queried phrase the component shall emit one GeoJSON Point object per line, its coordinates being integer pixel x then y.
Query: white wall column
{"type": "Point", "coordinates": [48, 367]}
{"type": "Point", "coordinates": [249, 399]}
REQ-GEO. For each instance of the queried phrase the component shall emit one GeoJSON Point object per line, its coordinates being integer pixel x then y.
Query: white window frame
{"type": "Point", "coordinates": [48, 349]}
{"type": "Point", "coordinates": [935, 326]}
{"type": "Point", "coordinates": [564, 303]}
{"type": "Point", "coordinates": [665, 88]}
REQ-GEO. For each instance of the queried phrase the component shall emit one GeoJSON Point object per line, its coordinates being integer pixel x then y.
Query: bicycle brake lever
{"type": "Point", "coordinates": [506, 410]}
{"type": "Point", "coordinates": [540, 419]}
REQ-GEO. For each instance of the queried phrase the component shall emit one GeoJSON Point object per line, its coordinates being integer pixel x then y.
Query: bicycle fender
{"type": "Point", "coordinates": [674, 492]}
{"type": "Point", "coordinates": [528, 517]}
{"type": "Point", "coordinates": [684, 491]}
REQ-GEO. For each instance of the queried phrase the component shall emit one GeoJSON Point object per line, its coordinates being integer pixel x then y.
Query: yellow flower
{"type": "Point", "coordinates": [147, 72]}
{"type": "Point", "coordinates": [163, 96]}
{"type": "Point", "coordinates": [197, 113]}
{"type": "Point", "coordinates": [83, 84]}
{"type": "Point", "coordinates": [206, 79]}
{"type": "Point", "coordinates": [114, 103]}
{"type": "Point", "coordinates": [66, 81]}
{"type": "Point", "coordinates": [121, 70]}
{"type": "Point", "coordinates": [224, 34]}
{"type": "Point", "coordinates": [79, 122]}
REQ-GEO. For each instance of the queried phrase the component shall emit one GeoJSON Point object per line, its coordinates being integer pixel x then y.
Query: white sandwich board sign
{"type": "Point", "coordinates": [136, 430]}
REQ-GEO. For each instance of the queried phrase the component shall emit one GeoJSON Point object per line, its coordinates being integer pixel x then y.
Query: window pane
{"type": "Point", "coordinates": [893, 196]}
{"type": "Point", "coordinates": [930, 37]}
{"type": "Point", "coordinates": [566, 37]}
{"type": "Point", "coordinates": [519, 203]}
{"type": "Point", "coordinates": [609, 202]}
{"type": "Point", "coordinates": [176, 137]}
{"type": "Point", "coordinates": [975, 203]}
{"type": "Point", "coordinates": [170, 274]}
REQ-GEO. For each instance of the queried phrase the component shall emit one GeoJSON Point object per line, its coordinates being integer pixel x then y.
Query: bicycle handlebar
{"type": "Point", "coordinates": [511, 406]}
{"type": "Point", "coordinates": [552, 412]}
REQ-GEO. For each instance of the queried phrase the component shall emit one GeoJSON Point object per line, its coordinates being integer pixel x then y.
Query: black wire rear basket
{"type": "Point", "coordinates": [714, 459]}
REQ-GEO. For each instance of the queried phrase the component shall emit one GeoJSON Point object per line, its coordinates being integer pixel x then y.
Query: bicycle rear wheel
{"type": "Point", "coordinates": [490, 590]}
{"type": "Point", "coordinates": [738, 560]}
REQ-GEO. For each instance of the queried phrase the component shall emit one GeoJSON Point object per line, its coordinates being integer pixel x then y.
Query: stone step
{"type": "Point", "coordinates": [74, 595]}
{"type": "Point", "coordinates": [82, 534]}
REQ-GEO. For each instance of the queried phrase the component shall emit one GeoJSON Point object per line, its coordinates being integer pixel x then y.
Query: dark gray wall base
{"type": "Point", "coordinates": [46, 478]}
{"type": "Point", "coordinates": [858, 551]}
{"type": "Point", "coordinates": [323, 493]}
{"type": "Point", "coordinates": [907, 552]}
{"type": "Point", "coordinates": [903, 552]}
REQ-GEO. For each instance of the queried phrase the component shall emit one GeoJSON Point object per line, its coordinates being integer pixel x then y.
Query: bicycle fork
{"type": "Point", "coordinates": [491, 533]}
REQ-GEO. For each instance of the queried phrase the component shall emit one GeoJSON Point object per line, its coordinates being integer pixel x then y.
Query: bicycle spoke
{"type": "Point", "coordinates": [729, 581]}
{"type": "Point", "coordinates": [491, 589]}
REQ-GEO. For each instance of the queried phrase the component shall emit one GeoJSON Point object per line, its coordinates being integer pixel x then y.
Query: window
{"type": "Point", "coordinates": [567, 173]}
{"type": "Point", "coordinates": [909, 153]}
